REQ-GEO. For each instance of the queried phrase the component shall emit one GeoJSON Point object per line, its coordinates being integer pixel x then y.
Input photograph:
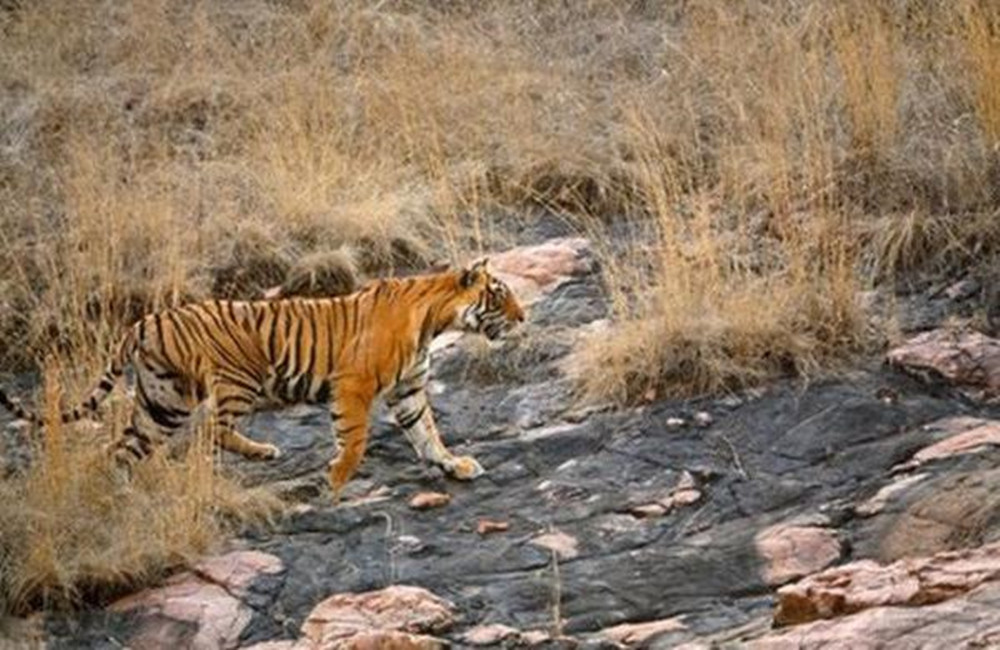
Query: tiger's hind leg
{"type": "Point", "coordinates": [140, 439]}
{"type": "Point", "coordinates": [232, 403]}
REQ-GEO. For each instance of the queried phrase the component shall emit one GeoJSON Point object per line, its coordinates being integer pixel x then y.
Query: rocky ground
{"type": "Point", "coordinates": [798, 515]}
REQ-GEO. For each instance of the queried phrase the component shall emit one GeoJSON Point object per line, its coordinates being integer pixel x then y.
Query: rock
{"type": "Point", "coordinates": [487, 526]}
{"type": "Point", "coordinates": [277, 645]}
{"type": "Point", "coordinates": [683, 494]}
{"type": "Point", "coordinates": [963, 289]}
{"type": "Point", "coordinates": [877, 503]}
{"type": "Point", "coordinates": [490, 634]}
{"type": "Point", "coordinates": [384, 640]}
{"type": "Point", "coordinates": [866, 584]}
{"type": "Point", "coordinates": [962, 357]}
{"type": "Point", "coordinates": [977, 434]}
{"type": "Point", "coordinates": [676, 423]}
{"type": "Point", "coordinates": [202, 608]}
{"type": "Point", "coordinates": [971, 620]}
{"type": "Point", "coordinates": [428, 500]}
{"type": "Point", "coordinates": [392, 614]}
{"type": "Point", "coordinates": [791, 551]}
{"type": "Point", "coordinates": [953, 510]}
{"type": "Point", "coordinates": [703, 419]}
{"type": "Point", "coordinates": [559, 542]}
{"type": "Point", "coordinates": [633, 634]}
{"type": "Point", "coordinates": [235, 571]}
{"type": "Point", "coordinates": [532, 271]}
{"type": "Point", "coordinates": [682, 497]}
{"type": "Point", "coordinates": [648, 510]}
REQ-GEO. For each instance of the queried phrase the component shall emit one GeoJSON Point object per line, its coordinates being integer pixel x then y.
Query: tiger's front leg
{"type": "Point", "coordinates": [349, 412]}
{"type": "Point", "coordinates": [411, 408]}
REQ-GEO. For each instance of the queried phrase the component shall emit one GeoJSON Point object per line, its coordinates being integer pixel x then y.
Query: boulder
{"type": "Point", "coordinates": [201, 608]}
{"type": "Point", "coordinates": [962, 357]}
{"type": "Point", "coordinates": [533, 271]}
{"type": "Point", "coordinates": [866, 584]}
{"type": "Point", "coordinates": [396, 616]}
{"type": "Point", "coordinates": [971, 620]}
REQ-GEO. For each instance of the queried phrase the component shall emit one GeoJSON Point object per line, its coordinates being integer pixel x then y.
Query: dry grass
{"type": "Point", "coordinates": [774, 158]}
{"type": "Point", "coordinates": [68, 532]}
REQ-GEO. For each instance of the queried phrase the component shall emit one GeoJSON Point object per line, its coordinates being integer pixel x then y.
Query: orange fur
{"type": "Point", "coordinates": [344, 351]}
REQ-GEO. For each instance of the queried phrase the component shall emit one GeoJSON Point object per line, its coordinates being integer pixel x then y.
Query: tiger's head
{"type": "Point", "coordinates": [486, 304]}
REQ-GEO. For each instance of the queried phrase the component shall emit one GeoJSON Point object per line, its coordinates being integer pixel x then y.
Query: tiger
{"type": "Point", "coordinates": [343, 352]}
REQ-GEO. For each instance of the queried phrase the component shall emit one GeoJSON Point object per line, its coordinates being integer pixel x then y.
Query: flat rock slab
{"type": "Point", "coordinates": [963, 357]}
{"type": "Point", "coordinates": [200, 609]}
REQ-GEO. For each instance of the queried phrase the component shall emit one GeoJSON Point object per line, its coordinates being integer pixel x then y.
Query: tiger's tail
{"type": "Point", "coordinates": [100, 392]}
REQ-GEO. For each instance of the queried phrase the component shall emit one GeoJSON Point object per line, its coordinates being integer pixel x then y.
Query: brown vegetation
{"type": "Point", "coordinates": [770, 158]}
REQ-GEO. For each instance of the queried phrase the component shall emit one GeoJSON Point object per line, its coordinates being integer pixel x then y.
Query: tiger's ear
{"type": "Point", "coordinates": [472, 274]}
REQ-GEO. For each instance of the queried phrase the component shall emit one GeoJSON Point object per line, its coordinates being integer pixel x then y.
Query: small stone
{"type": "Point", "coordinates": [428, 500]}
{"type": "Point", "coordinates": [682, 497]}
{"type": "Point", "coordinates": [703, 419]}
{"type": "Point", "coordinates": [535, 637]}
{"type": "Point", "coordinates": [686, 481]}
{"type": "Point", "coordinates": [633, 634]}
{"type": "Point", "coordinates": [731, 401]}
{"type": "Point", "coordinates": [648, 510]}
{"type": "Point", "coordinates": [558, 541]}
{"type": "Point", "coordinates": [487, 526]}
{"type": "Point", "coordinates": [489, 634]}
{"type": "Point", "coordinates": [962, 290]}
{"type": "Point", "coordinates": [676, 423]}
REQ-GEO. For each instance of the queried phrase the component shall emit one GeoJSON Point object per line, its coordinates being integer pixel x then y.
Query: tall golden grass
{"type": "Point", "coordinates": [69, 533]}
{"type": "Point", "coordinates": [773, 157]}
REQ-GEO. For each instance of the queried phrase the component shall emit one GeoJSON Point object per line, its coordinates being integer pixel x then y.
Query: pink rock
{"type": "Point", "coordinates": [535, 637]}
{"type": "Point", "coordinates": [987, 433]}
{"type": "Point", "coordinates": [866, 584]}
{"type": "Point", "coordinates": [489, 634]}
{"type": "Point", "coordinates": [428, 500]}
{"type": "Point", "coordinates": [791, 551]}
{"type": "Point", "coordinates": [971, 620]}
{"type": "Point", "coordinates": [558, 541]}
{"type": "Point", "coordinates": [683, 494]}
{"type": "Point", "coordinates": [960, 356]}
{"type": "Point", "coordinates": [648, 510]}
{"type": "Point", "coordinates": [384, 640]}
{"type": "Point", "coordinates": [398, 608]}
{"type": "Point", "coordinates": [533, 271]}
{"type": "Point", "coordinates": [683, 497]}
{"type": "Point", "coordinates": [235, 571]}
{"type": "Point", "coordinates": [207, 599]}
{"type": "Point", "coordinates": [630, 634]}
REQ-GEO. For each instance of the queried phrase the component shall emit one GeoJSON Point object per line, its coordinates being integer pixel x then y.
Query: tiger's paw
{"type": "Point", "coordinates": [267, 452]}
{"type": "Point", "coordinates": [466, 468]}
